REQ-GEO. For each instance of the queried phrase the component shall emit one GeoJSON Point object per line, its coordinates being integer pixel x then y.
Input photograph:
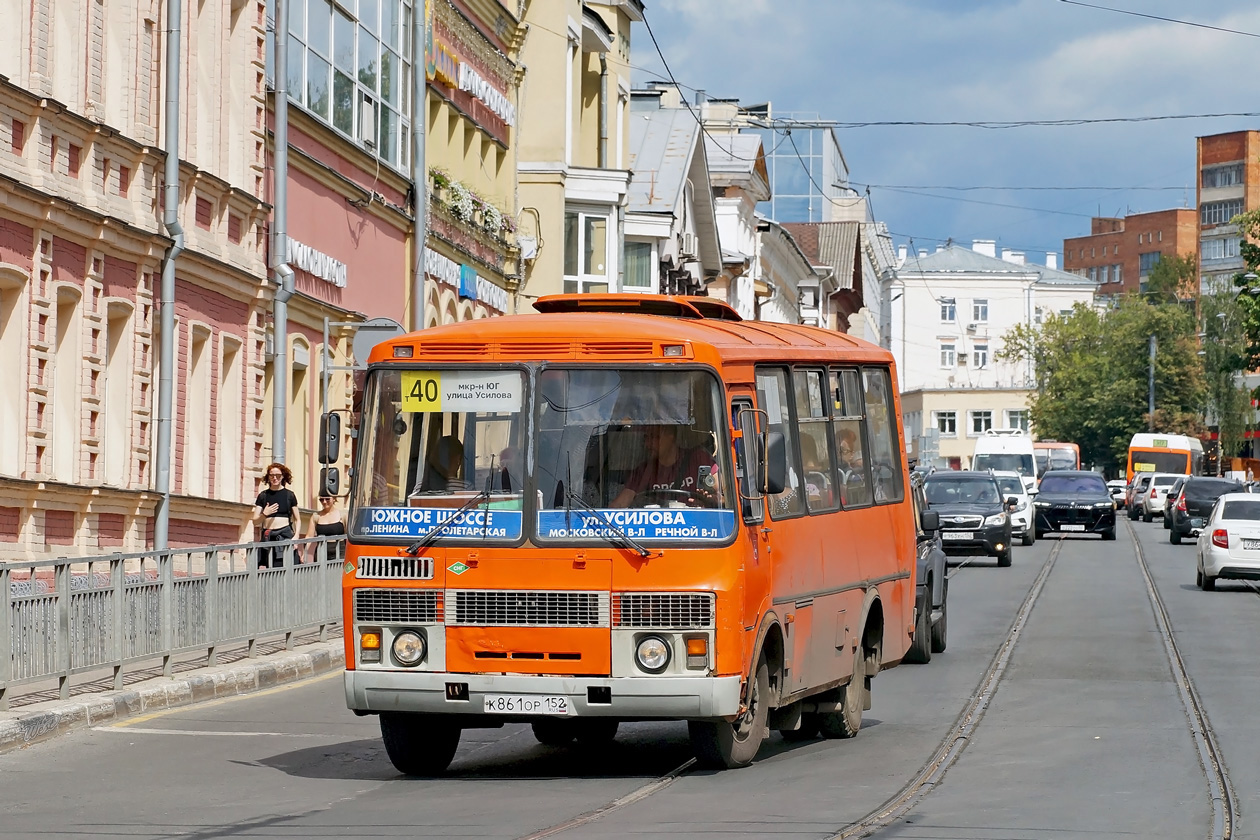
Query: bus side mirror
{"type": "Point", "coordinates": [329, 481]}
{"type": "Point", "coordinates": [776, 464]}
{"type": "Point", "coordinates": [930, 520]}
{"type": "Point", "coordinates": [329, 438]}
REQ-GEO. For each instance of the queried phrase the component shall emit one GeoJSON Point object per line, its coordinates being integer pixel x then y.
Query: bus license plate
{"type": "Point", "coordinates": [518, 704]}
{"type": "Point", "coordinates": [958, 535]}
{"type": "Point", "coordinates": [1071, 527]}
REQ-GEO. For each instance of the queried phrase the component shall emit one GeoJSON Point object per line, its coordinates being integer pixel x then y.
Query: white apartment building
{"type": "Point", "coordinates": [948, 314]}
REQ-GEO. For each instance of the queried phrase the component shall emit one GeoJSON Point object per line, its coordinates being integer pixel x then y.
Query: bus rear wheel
{"type": "Point", "coordinates": [553, 732]}
{"type": "Point", "coordinates": [847, 720]}
{"type": "Point", "coordinates": [418, 745]}
{"type": "Point", "coordinates": [720, 744]}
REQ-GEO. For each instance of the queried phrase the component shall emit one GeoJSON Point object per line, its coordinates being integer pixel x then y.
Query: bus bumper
{"type": "Point", "coordinates": [672, 698]}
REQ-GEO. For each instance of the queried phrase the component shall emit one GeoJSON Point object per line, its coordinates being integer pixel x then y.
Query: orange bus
{"type": "Point", "coordinates": [1054, 455]}
{"type": "Point", "coordinates": [625, 508]}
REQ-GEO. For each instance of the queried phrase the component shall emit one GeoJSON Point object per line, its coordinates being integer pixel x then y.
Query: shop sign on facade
{"type": "Point", "coordinates": [464, 278]}
{"type": "Point", "coordinates": [317, 263]}
{"type": "Point", "coordinates": [445, 67]}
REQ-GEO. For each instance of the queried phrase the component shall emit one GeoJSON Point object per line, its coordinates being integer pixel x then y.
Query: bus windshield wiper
{"type": "Point", "coordinates": [570, 496]}
{"type": "Point", "coordinates": [437, 529]}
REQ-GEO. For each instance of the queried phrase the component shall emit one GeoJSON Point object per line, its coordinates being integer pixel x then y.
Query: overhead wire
{"type": "Point", "coordinates": [1159, 18]}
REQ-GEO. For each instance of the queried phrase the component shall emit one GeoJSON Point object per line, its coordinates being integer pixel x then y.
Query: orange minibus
{"type": "Point", "coordinates": [625, 508]}
{"type": "Point", "coordinates": [1153, 452]}
{"type": "Point", "coordinates": [1056, 455]}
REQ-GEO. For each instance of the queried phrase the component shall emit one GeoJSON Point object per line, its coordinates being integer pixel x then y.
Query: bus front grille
{"type": "Point", "coordinates": [663, 610]}
{"type": "Point", "coordinates": [496, 608]}
{"type": "Point", "coordinates": [397, 606]}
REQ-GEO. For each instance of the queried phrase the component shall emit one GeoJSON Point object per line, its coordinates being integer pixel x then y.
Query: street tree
{"type": "Point", "coordinates": [1091, 375]}
{"type": "Point", "coordinates": [1224, 362]}
{"type": "Point", "coordinates": [1173, 276]}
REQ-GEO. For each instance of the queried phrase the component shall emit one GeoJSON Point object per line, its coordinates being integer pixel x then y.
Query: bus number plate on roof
{"type": "Point", "coordinates": [461, 390]}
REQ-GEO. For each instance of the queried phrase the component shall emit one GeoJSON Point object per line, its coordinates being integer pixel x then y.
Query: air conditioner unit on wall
{"type": "Point", "coordinates": [962, 360]}
{"type": "Point", "coordinates": [687, 247]}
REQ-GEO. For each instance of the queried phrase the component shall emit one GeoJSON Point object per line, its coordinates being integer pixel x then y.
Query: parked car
{"type": "Point", "coordinates": [1137, 487]}
{"type": "Point", "coordinates": [932, 588]}
{"type": "Point", "coordinates": [1012, 485]}
{"type": "Point", "coordinates": [1075, 501]}
{"type": "Point", "coordinates": [1119, 492]}
{"type": "Point", "coordinates": [975, 518]}
{"type": "Point", "coordinates": [1153, 497]}
{"type": "Point", "coordinates": [1170, 497]}
{"type": "Point", "coordinates": [1229, 544]}
{"type": "Point", "coordinates": [1194, 504]}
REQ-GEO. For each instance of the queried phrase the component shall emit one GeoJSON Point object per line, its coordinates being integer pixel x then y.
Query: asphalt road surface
{"type": "Point", "coordinates": [1084, 733]}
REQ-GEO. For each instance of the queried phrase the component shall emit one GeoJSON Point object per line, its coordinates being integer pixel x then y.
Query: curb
{"type": "Point", "coordinates": [45, 721]}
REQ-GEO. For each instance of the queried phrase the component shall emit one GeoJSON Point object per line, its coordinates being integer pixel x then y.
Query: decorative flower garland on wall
{"type": "Point", "coordinates": [464, 203]}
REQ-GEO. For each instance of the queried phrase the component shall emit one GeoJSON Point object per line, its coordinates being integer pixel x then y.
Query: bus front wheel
{"type": "Point", "coordinates": [720, 744]}
{"type": "Point", "coordinates": [418, 745]}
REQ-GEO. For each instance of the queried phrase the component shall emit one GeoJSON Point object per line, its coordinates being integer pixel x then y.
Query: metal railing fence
{"type": "Point", "coordinates": [78, 615]}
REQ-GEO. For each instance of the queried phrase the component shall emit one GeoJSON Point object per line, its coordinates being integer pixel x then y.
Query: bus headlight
{"type": "Point", "coordinates": [408, 648]}
{"type": "Point", "coordinates": [652, 654]}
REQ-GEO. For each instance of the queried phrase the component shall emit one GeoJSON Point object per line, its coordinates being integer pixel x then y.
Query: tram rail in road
{"type": "Point", "coordinates": [1219, 788]}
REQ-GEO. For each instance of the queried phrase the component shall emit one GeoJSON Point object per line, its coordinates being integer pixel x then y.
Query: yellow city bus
{"type": "Point", "coordinates": [625, 508]}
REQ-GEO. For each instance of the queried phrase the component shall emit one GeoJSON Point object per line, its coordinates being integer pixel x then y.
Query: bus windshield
{"type": "Point", "coordinates": [1020, 462]}
{"type": "Point", "coordinates": [1062, 458]}
{"type": "Point", "coordinates": [436, 441]}
{"type": "Point", "coordinates": [1160, 460]}
{"type": "Point", "coordinates": [642, 450]}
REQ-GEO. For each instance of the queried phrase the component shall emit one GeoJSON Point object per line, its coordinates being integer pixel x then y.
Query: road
{"type": "Point", "coordinates": [1085, 735]}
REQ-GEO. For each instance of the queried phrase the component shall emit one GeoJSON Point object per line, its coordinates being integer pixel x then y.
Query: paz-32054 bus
{"type": "Point", "coordinates": [625, 508]}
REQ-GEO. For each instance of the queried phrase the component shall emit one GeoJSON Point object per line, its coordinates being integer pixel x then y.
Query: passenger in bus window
{"type": "Point", "coordinates": [444, 466]}
{"type": "Point", "coordinates": [672, 472]}
{"type": "Point", "coordinates": [817, 484]}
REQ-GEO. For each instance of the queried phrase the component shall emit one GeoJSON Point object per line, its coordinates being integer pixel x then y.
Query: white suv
{"type": "Point", "coordinates": [1153, 498]}
{"type": "Point", "coordinates": [1012, 484]}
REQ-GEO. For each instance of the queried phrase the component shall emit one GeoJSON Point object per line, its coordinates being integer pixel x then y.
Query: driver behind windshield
{"type": "Point", "coordinates": [672, 471]}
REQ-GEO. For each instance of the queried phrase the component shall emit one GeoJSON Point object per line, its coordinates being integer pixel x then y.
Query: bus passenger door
{"type": "Point", "coordinates": [757, 536]}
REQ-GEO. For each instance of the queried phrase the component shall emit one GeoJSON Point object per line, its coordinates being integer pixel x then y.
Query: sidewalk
{"type": "Point", "coordinates": [40, 721]}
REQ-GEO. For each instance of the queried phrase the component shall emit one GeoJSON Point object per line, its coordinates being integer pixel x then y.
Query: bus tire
{"type": "Point", "coordinates": [721, 744]}
{"type": "Point", "coordinates": [920, 651]}
{"type": "Point", "coordinates": [595, 731]}
{"type": "Point", "coordinates": [846, 722]}
{"type": "Point", "coordinates": [418, 745]}
{"type": "Point", "coordinates": [940, 628]}
{"type": "Point", "coordinates": [553, 732]}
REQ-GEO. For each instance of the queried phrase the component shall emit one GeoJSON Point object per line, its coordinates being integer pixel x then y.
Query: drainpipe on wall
{"type": "Point", "coordinates": [280, 240]}
{"type": "Point", "coordinates": [170, 218]}
{"type": "Point", "coordinates": [603, 110]}
{"type": "Point", "coordinates": [419, 167]}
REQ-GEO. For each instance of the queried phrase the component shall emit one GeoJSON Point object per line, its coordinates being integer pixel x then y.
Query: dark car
{"type": "Point", "coordinates": [1170, 498]}
{"type": "Point", "coordinates": [1075, 501]}
{"type": "Point", "coordinates": [1194, 504]}
{"type": "Point", "coordinates": [975, 519]}
{"type": "Point", "coordinates": [932, 585]}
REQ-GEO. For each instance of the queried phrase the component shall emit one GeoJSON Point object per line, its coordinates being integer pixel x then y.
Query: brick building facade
{"type": "Point", "coordinates": [1228, 167]}
{"type": "Point", "coordinates": [1119, 253]}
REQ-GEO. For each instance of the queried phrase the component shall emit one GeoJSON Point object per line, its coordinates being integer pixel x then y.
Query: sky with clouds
{"type": "Point", "coordinates": [982, 60]}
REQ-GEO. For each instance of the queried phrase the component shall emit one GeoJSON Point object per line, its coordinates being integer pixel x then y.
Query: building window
{"type": "Point", "coordinates": [1017, 419]}
{"type": "Point", "coordinates": [586, 249]}
{"type": "Point", "coordinates": [948, 359]}
{"type": "Point", "coordinates": [946, 423]}
{"type": "Point", "coordinates": [1115, 274]}
{"type": "Point", "coordinates": [1093, 274]}
{"type": "Point", "coordinates": [1221, 249]}
{"type": "Point", "coordinates": [351, 70]}
{"type": "Point", "coordinates": [638, 266]}
{"type": "Point", "coordinates": [1220, 212]}
{"type": "Point", "coordinates": [948, 311]}
{"type": "Point", "coordinates": [1228, 175]}
{"type": "Point", "coordinates": [980, 355]}
{"type": "Point", "coordinates": [1106, 274]}
{"type": "Point", "coordinates": [1038, 314]}
{"type": "Point", "coordinates": [980, 310]}
{"type": "Point", "coordinates": [981, 421]}
{"type": "Point", "coordinates": [1146, 262]}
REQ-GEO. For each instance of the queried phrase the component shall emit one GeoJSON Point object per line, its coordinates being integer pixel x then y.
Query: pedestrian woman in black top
{"type": "Point", "coordinates": [327, 522]}
{"type": "Point", "coordinates": [277, 509]}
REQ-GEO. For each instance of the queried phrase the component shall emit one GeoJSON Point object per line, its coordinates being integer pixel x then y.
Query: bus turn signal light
{"type": "Point", "coordinates": [370, 646]}
{"type": "Point", "coordinates": [697, 652]}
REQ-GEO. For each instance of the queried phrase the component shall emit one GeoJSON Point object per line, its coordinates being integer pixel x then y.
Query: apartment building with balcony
{"type": "Point", "coordinates": [1228, 167]}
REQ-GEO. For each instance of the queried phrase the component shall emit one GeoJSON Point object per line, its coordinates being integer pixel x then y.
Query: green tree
{"type": "Point", "coordinates": [1175, 276]}
{"type": "Point", "coordinates": [1224, 359]}
{"type": "Point", "coordinates": [1091, 375]}
{"type": "Point", "coordinates": [1248, 290]}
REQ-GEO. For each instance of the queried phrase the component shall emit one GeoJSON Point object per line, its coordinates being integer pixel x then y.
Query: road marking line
{"type": "Point", "coordinates": [146, 731]}
{"type": "Point", "coordinates": [122, 724]}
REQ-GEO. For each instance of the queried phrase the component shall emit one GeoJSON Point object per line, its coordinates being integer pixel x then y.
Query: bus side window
{"type": "Point", "coordinates": [817, 452]}
{"type": "Point", "coordinates": [746, 454]}
{"type": "Point", "coordinates": [850, 435]}
{"type": "Point", "coordinates": [884, 440]}
{"type": "Point", "coordinates": [774, 396]}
